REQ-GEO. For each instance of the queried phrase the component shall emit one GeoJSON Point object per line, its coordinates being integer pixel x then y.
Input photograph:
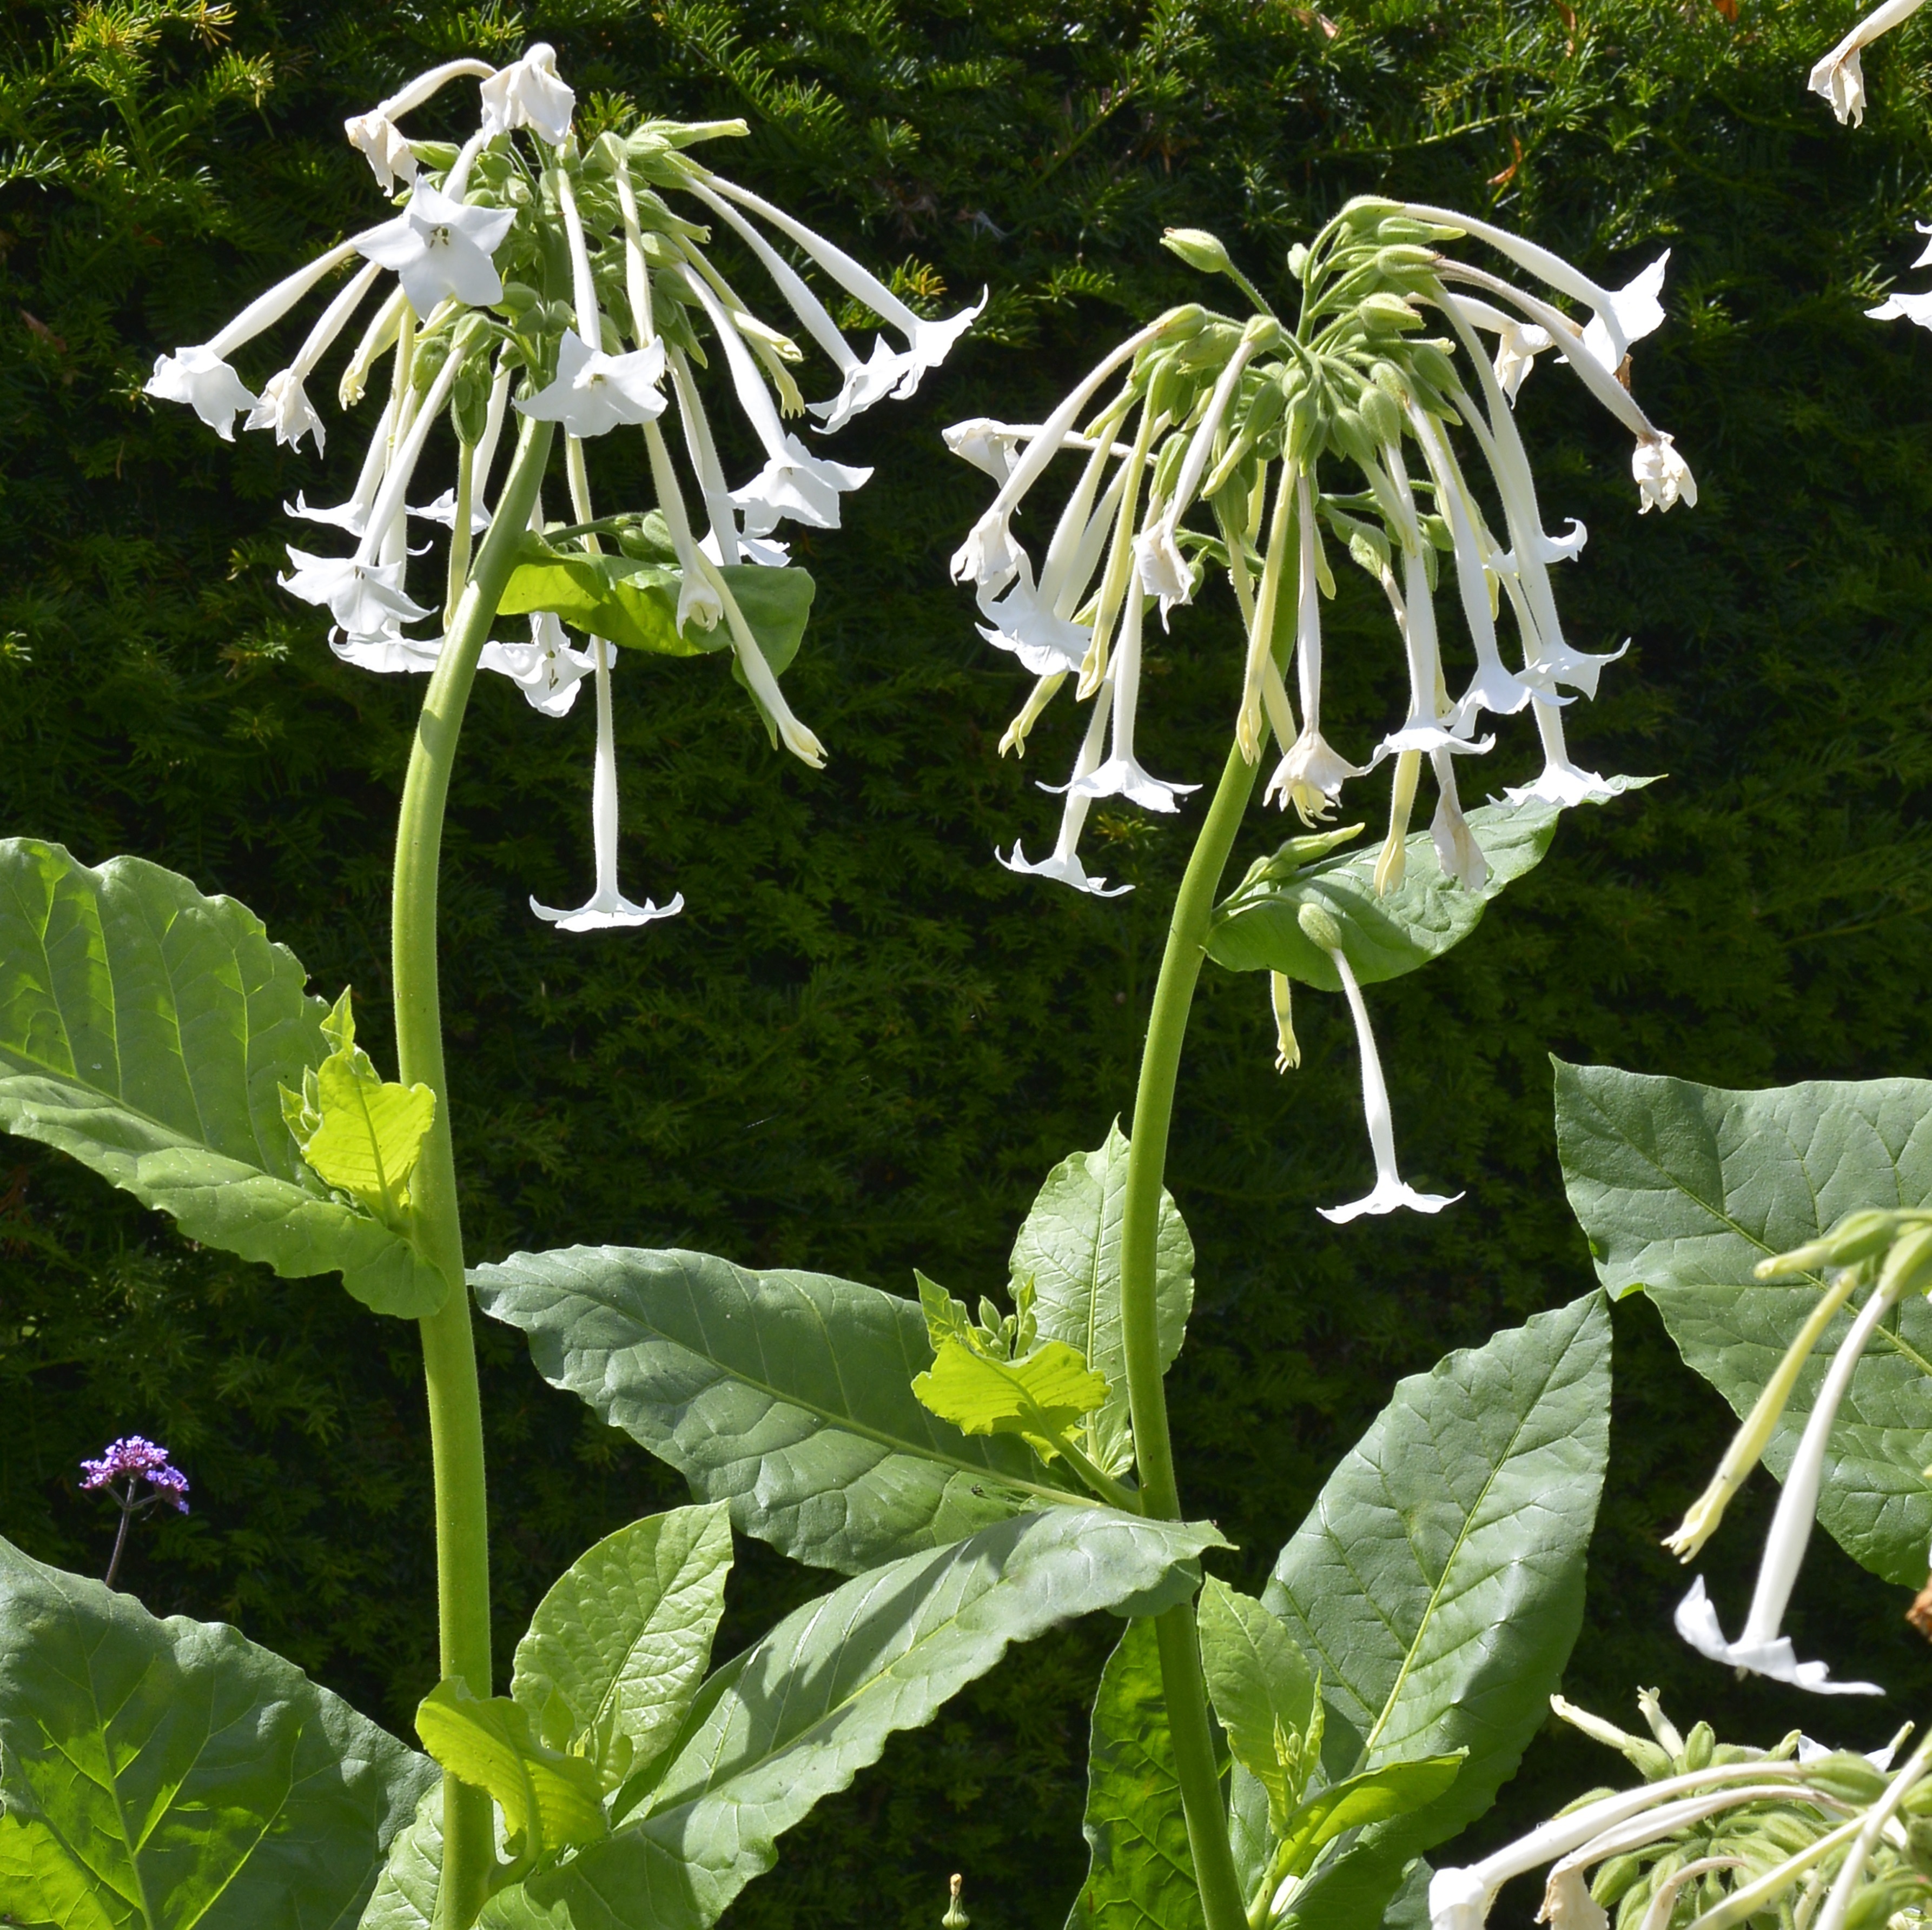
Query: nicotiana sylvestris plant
{"type": "Point", "coordinates": [1786, 1238]}
{"type": "Point", "coordinates": [972, 1475]}
{"type": "Point", "coordinates": [1209, 445]}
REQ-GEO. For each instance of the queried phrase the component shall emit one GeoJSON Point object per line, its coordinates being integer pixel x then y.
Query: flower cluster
{"type": "Point", "coordinates": [139, 1463]}
{"type": "Point", "coordinates": [1233, 418]}
{"type": "Point", "coordinates": [534, 277]}
{"type": "Point", "coordinates": [1891, 1253]}
{"type": "Point", "coordinates": [1718, 1834]}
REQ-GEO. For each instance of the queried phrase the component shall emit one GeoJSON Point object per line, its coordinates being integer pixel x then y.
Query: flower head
{"type": "Point", "coordinates": [1839, 76]}
{"type": "Point", "coordinates": [378, 139]}
{"type": "Point", "coordinates": [133, 1459]}
{"type": "Point", "coordinates": [440, 248]}
{"type": "Point", "coordinates": [529, 93]}
{"type": "Point", "coordinates": [594, 393]}
{"type": "Point", "coordinates": [283, 407]}
{"type": "Point", "coordinates": [1662, 474]}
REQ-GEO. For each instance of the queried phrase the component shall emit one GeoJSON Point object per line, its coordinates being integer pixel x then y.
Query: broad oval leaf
{"type": "Point", "coordinates": [549, 1800]}
{"type": "Point", "coordinates": [1262, 1690]}
{"type": "Point", "coordinates": [624, 1635]}
{"type": "Point", "coordinates": [1140, 1875]}
{"type": "Point", "coordinates": [787, 1395]}
{"type": "Point", "coordinates": [813, 1703]}
{"type": "Point", "coordinates": [159, 1775]}
{"type": "Point", "coordinates": [145, 1030]}
{"type": "Point", "coordinates": [1070, 1249]}
{"type": "Point", "coordinates": [1683, 1189]}
{"type": "Point", "coordinates": [1255, 929]}
{"type": "Point", "coordinates": [1438, 1583]}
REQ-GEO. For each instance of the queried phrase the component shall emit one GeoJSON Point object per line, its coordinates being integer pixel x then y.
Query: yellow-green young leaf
{"type": "Point", "coordinates": [1375, 1797]}
{"type": "Point", "coordinates": [1039, 1398]}
{"type": "Point", "coordinates": [371, 1133]}
{"type": "Point", "coordinates": [548, 1799]}
{"type": "Point", "coordinates": [1263, 1691]}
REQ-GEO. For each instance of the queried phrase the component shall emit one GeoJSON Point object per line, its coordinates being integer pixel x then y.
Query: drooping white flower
{"type": "Point", "coordinates": [593, 393]}
{"type": "Point", "coordinates": [1518, 345]}
{"type": "Point", "coordinates": [1311, 773]}
{"type": "Point", "coordinates": [200, 377]}
{"type": "Point", "coordinates": [1561, 782]}
{"type": "Point", "coordinates": [528, 93]}
{"type": "Point", "coordinates": [1456, 850]}
{"type": "Point", "coordinates": [1633, 313]}
{"type": "Point", "coordinates": [366, 599]}
{"type": "Point", "coordinates": [991, 447]}
{"type": "Point", "coordinates": [1839, 76]}
{"type": "Point", "coordinates": [1121, 775]}
{"type": "Point", "coordinates": [794, 484]}
{"type": "Point", "coordinates": [353, 515]}
{"type": "Point", "coordinates": [443, 510]}
{"type": "Point", "coordinates": [1903, 306]}
{"type": "Point", "coordinates": [1063, 865]}
{"type": "Point", "coordinates": [1162, 569]}
{"type": "Point", "coordinates": [606, 909]}
{"type": "Point", "coordinates": [438, 247]}
{"type": "Point", "coordinates": [283, 407]}
{"type": "Point", "coordinates": [1662, 474]}
{"type": "Point", "coordinates": [546, 669]}
{"type": "Point", "coordinates": [1024, 622]}
{"type": "Point", "coordinates": [382, 143]}
{"type": "Point", "coordinates": [1761, 1649]}
{"type": "Point", "coordinates": [1390, 1191]}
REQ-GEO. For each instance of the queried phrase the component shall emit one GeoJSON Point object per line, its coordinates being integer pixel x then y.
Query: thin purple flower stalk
{"type": "Point", "coordinates": [138, 1463]}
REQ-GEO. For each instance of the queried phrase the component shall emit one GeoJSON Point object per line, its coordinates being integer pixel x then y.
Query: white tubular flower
{"type": "Point", "coordinates": [1390, 1191]}
{"type": "Point", "coordinates": [1840, 75]}
{"type": "Point", "coordinates": [928, 342]}
{"type": "Point", "coordinates": [547, 670]}
{"type": "Point", "coordinates": [593, 393]}
{"type": "Point", "coordinates": [724, 537]}
{"type": "Point", "coordinates": [608, 909]}
{"type": "Point", "coordinates": [1904, 306]}
{"type": "Point", "coordinates": [1310, 774]}
{"type": "Point", "coordinates": [1567, 1904]}
{"type": "Point", "coordinates": [366, 598]}
{"type": "Point", "coordinates": [1121, 776]}
{"type": "Point", "coordinates": [1662, 474]}
{"type": "Point", "coordinates": [528, 93]}
{"type": "Point", "coordinates": [1459, 1899]}
{"type": "Point", "coordinates": [991, 447]}
{"type": "Point", "coordinates": [1024, 623]}
{"type": "Point", "coordinates": [1618, 316]}
{"type": "Point", "coordinates": [757, 674]}
{"type": "Point", "coordinates": [989, 558]}
{"type": "Point", "coordinates": [1760, 1649]}
{"type": "Point", "coordinates": [283, 407]}
{"type": "Point", "coordinates": [1561, 782]}
{"type": "Point", "coordinates": [1162, 569]}
{"type": "Point", "coordinates": [438, 247]}
{"type": "Point", "coordinates": [1456, 850]}
{"type": "Point", "coordinates": [375, 135]}
{"type": "Point", "coordinates": [200, 377]}
{"type": "Point", "coordinates": [1518, 343]}
{"type": "Point", "coordinates": [1747, 1445]}
{"type": "Point", "coordinates": [353, 515]}
{"type": "Point", "coordinates": [1063, 865]}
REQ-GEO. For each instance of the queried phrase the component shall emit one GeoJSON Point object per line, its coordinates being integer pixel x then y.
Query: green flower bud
{"type": "Point", "coordinates": [1697, 1747]}
{"type": "Point", "coordinates": [1380, 416]}
{"type": "Point", "coordinates": [1431, 364]}
{"type": "Point", "coordinates": [1348, 436]}
{"type": "Point", "coordinates": [1394, 260]}
{"type": "Point", "coordinates": [1319, 926]}
{"type": "Point", "coordinates": [1297, 261]}
{"type": "Point", "coordinates": [1383, 314]}
{"type": "Point", "coordinates": [1167, 466]}
{"type": "Point", "coordinates": [1197, 248]}
{"type": "Point", "coordinates": [1850, 1778]}
{"type": "Point", "coordinates": [1369, 211]}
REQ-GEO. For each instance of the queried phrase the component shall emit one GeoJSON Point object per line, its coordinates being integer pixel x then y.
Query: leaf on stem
{"type": "Point", "coordinates": [549, 1800]}
{"type": "Point", "coordinates": [1256, 927]}
{"type": "Point", "coordinates": [788, 1395]}
{"type": "Point", "coordinates": [1264, 1693]}
{"type": "Point", "coordinates": [146, 1030]}
{"type": "Point", "coordinates": [1038, 1398]}
{"type": "Point", "coordinates": [1682, 1188]}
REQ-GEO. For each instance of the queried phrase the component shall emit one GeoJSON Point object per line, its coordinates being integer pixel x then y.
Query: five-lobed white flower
{"type": "Point", "coordinates": [1662, 476]}
{"type": "Point", "coordinates": [529, 93]}
{"type": "Point", "coordinates": [593, 393]}
{"type": "Point", "coordinates": [796, 485]}
{"type": "Point", "coordinates": [378, 139]}
{"type": "Point", "coordinates": [438, 247]}
{"type": "Point", "coordinates": [366, 599]}
{"type": "Point", "coordinates": [546, 669]}
{"type": "Point", "coordinates": [284, 407]}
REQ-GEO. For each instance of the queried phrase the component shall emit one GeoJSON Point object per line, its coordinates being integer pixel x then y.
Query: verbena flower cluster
{"type": "Point", "coordinates": [533, 277]}
{"type": "Point", "coordinates": [136, 1461]}
{"type": "Point", "coordinates": [1230, 420]}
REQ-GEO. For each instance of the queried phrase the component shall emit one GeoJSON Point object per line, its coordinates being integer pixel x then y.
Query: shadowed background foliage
{"type": "Point", "coordinates": [864, 1044]}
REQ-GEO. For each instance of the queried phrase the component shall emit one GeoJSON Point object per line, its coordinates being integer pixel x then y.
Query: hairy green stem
{"type": "Point", "coordinates": [1185, 1692]}
{"type": "Point", "coordinates": [449, 1351]}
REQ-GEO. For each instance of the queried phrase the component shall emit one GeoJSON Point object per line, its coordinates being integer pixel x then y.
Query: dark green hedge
{"type": "Point", "coordinates": [863, 1043]}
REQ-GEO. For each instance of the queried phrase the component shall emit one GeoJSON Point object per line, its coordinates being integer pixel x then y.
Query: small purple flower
{"type": "Point", "coordinates": [136, 1459]}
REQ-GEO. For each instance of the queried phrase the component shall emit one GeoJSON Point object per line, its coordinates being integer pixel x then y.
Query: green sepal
{"type": "Point", "coordinates": [549, 1800]}
{"type": "Point", "coordinates": [1256, 928]}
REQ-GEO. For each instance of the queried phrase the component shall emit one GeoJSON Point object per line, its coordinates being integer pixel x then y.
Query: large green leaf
{"type": "Point", "coordinates": [1069, 1248]}
{"type": "Point", "coordinates": [813, 1703]}
{"type": "Point", "coordinates": [788, 1395]}
{"type": "Point", "coordinates": [621, 1639]}
{"type": "Point", "coordinates": [146, 1029]}
{"type": "Point", "coordinates": [1256, 927]}
{"type": "Point", "coordinates": [1263, 1692]}
{"type": "Point", "coordinates": [1141, 1875]}
{"type": "Point", "coordinates": [158, 1775]}
{"type": "Point", "coordinates": [1683, 1189]}
{"type": "Point", "coordinates": [404, 1898]}
{"type": "Point", "coordinates": [1438, 1583]}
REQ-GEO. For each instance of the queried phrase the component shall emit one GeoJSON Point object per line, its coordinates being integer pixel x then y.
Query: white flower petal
{"type": "Point", "coordinates": [199, 377]}
{"type": "Point", "coordinates": [1067, 870]}
{"type": "Point", "coordinates": [528, 93]}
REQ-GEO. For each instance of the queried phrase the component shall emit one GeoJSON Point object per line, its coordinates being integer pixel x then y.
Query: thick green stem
{"type": "Point", "coordinates": [449, 1353]}
{"type": "Point", "coordinates": [1185, 1692]}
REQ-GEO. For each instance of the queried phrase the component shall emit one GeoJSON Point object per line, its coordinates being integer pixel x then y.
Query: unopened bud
{"type": "Point", "coordinates": [1197, 248]}
{"type": "Point", "coordinates": [1431, 361]}
{"type": "Point", "coordinates": [1298, 260]}
{"type": "Point", "coordinates": [956, 1917]}
{"type": "Point", "coordinates": [1385, 314]}
{"type": "Point", "coordinates": [1380, 416]}
{"type": "Point", "coordinates": [1287, 1048]}
{"type": "Point", "coordinates": [1859, 1235]}
{"type": "Point", "coordinates": [1319, 927]}
{"type": "Point", "coordinates": [1369, 211]}
{"type": "Point", "coordinates": [1908, 1267]}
